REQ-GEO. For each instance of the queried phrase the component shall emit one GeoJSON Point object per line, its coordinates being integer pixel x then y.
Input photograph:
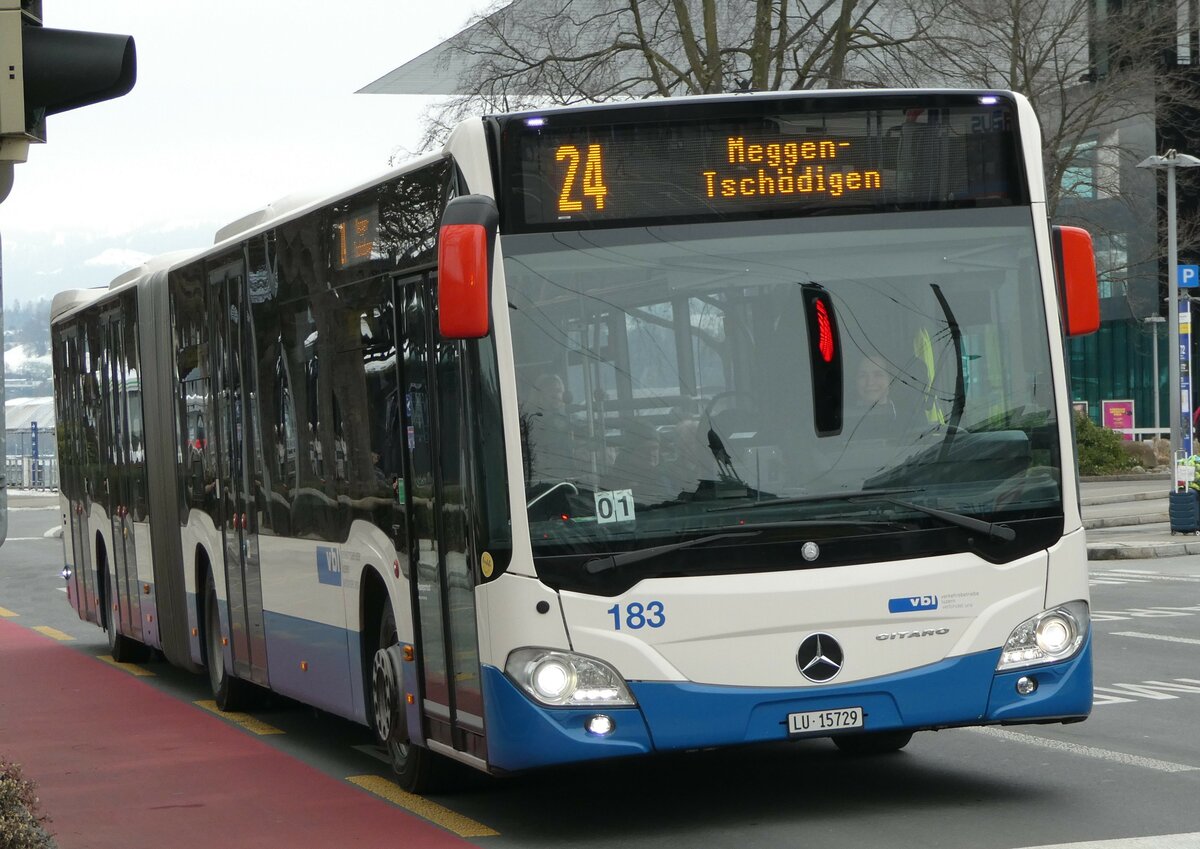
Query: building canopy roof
{"type": "Point", "coordinates": [20, 412]}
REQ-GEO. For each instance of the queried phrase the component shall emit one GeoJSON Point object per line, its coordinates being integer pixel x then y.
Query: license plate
{"type": "Point", "coordinates": [824, 721]}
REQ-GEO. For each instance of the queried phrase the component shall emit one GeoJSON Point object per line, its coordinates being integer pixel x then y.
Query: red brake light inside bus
{"type": "Point", "coordinates": [824, 332]}
{"type": "Point", "coordinates": [825, 360]}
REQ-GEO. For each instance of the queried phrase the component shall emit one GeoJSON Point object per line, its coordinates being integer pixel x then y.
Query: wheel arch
{"type": "Point", "coordinates": [373, 594]}
{"type": "Point", "coordinates": [202, 564]}
{"type": "Point", "coordinates": [100, 568]}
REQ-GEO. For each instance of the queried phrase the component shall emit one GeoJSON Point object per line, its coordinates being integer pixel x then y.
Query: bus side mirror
{"type": "Point", "coordinates": [1075, 274]}
{"type": "Point", "coordinates": [466, 247]}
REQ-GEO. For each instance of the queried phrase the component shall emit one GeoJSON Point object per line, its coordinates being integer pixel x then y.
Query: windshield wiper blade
{"type": "Point", "coordinates": [816, 497]}
{"type": "Point", "coordinates": [1003, 532]}
{"type": "Point", "coordinates": [613, 561]}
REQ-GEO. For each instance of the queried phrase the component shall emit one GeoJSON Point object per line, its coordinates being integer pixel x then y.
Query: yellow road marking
{"type": "Point", "coordinates": [131, 668]}
{"type": "Point", "coordinates": [245, 720]}
{"type": "Point", "coordinates": [422, 807]}
{"type": "Point", "coordinates": [53, 633]}
{"type": "Point", "coordinates": [7, 614]}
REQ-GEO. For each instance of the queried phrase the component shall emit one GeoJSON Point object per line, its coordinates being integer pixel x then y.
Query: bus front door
{"type": "Point", "coordinates": [440, 577]}
{"type": "Point", "coordinates": [233, 366]}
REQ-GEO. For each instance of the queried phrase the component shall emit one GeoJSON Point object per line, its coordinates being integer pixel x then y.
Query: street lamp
{"type": "Point", "coordinates": [1169, 162]}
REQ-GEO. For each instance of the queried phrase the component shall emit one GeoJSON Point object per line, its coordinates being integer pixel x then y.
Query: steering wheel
{"type": "Point", "coordinates": [748, 413]}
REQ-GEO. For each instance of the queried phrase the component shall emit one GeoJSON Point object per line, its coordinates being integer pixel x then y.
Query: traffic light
{"type": "Point", "coordinates": [45, 71]}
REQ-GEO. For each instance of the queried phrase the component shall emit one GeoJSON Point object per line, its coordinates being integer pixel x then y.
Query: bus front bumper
{"type": "Point", "coordinates": [671, 716]}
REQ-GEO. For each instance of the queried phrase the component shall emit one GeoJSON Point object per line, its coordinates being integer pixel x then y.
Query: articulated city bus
{"type": "Point", "coordinates": [608, 431]}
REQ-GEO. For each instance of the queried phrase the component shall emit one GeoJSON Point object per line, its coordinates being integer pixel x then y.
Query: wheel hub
{"type": "Point", "coordinates": [385, 683]}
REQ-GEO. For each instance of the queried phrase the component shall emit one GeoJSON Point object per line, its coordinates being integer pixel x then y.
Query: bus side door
{"type": "Point", "coordinates": [440, 575]}
{"type": "Point", "coordinates": [233, 368]}
{"type": "Point", "coordinates": [125, 608]}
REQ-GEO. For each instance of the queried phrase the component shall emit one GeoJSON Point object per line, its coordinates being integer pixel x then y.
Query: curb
{"type": "Point", "coordinates": [1141, 551]}
{"type": "Point", "coordinates": [1118, 498]}
{"type": "Point", "coordinates": [1127, 521]}
{"type": "Point", "coordinates": [1164, 475]}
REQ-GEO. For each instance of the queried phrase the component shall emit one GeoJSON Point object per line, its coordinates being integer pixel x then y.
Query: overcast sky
{"type": "Point", "coordinates": [236, 104]}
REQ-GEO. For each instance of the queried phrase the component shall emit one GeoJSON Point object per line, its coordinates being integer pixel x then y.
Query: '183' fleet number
{"type": "Point", "coordinates": [635, 615]}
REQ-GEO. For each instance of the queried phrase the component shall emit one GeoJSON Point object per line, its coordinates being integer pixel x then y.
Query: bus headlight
{"type": "Point", "coordinates": [565, 679]}
{"type": "Point", "coordinates": [1053, 635]}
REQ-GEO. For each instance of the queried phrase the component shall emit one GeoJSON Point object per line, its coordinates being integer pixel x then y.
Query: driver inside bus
{"type": "Point", "coordinates": [874, 414]}
{"type": "Point", "coordinates": [549, 445]}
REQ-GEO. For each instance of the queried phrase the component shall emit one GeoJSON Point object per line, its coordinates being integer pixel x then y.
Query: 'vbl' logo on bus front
{"type": "Point", "coordinates": [329, 566]}
{"type": "Point", "coordinates": [909, 603]}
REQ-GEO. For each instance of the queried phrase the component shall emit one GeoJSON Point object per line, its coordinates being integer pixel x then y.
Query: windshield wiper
{"type": "Point", "coordinates": [613, 561]}
{"type": "Point", "coordinates": [1003, 532]}
{"type": "Point", "coordinates": [815, 497]}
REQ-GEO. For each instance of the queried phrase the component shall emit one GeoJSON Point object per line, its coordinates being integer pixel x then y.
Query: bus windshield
{"type": "Point", "coordinates": [670, 382]}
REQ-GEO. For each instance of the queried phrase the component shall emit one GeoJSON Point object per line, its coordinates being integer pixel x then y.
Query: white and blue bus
{"type": "Point", "coordinates": [608, 431]}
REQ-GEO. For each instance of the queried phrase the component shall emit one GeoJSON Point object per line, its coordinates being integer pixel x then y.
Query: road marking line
{"type": "Point", "coordinates": [8, 614]}
{"type": "Point", "coordinates": [245, 720]}
{"type": "Point", "coordinates": [54, 633]}
{"type": "Point", "coordinates": [1085, 751]}
{"type": "Point", "coordinates": [26, 539]}
{"type": "Point", "coordinates": [131, 668]}
{"type": "Point", "coordinates": [1190, 840]}
{"type": "Point", "coordinates": [1163, 637]}
{"type": "Point", "coordinates": [422, 807]}
{"type": "Point", "coordinates": [1143, 577]}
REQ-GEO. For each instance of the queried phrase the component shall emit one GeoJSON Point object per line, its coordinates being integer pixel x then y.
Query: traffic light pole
{"type": "Point", "coordinates": [44, 72]}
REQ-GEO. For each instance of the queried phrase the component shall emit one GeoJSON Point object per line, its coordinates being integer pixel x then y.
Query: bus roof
{"type": "Point", "coordinates": [806, 94]}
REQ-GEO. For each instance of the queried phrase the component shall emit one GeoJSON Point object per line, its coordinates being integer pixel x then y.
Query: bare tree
{"type": "Point", "coordinates": [539, 52]}
{"type": "Point", "coordinates": [1096, 78]}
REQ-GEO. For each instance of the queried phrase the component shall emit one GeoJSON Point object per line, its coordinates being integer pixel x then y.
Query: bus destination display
{"type": "Point", "coordinates": [855, 161]}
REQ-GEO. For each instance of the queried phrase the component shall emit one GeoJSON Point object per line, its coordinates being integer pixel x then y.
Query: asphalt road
{"type": "Point", "coordinates": [1130, 775]}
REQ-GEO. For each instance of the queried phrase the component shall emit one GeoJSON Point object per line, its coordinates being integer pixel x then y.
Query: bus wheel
{"type": "Point", "coordinates": [876, 743]}
{"type": "Point", "coordinates": [414, 765]}
{"type": "Point", "coordinates": [123, 649]}
{"type": "Point", "coordinates": [229, 691]}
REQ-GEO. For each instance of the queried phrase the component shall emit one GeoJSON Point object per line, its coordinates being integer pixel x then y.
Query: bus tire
{"type": "Point", "coordinates": [872, 743]}
{"type": "Point", "coordinates": [229, 691]}
{"type": "Point", "coordinates": [415, 766]}
{"type": "Point", "coordinates": [122, 648]}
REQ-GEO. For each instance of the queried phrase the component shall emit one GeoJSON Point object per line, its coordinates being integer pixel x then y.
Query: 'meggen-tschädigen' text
{"type": "Point", "coordinates": [784, 174]}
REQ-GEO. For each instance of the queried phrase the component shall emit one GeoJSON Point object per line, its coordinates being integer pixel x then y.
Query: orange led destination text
{"type": "Point", "coordinates": [788, 168]}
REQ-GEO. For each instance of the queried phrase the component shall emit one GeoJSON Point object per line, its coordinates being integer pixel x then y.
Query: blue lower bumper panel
{"type": "Point", "coordinates": [671, 716]}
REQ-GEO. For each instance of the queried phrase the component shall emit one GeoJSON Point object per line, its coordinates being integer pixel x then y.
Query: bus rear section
{"type": "Point", "coordinates": [789, 410]}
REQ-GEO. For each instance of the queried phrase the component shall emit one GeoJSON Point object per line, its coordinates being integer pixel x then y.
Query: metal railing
{"type": "Point", "coordinates": [28, 473]}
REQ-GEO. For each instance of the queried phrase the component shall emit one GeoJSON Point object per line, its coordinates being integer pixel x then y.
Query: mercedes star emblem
{"type": "Point", "coordinates": [820, 658]}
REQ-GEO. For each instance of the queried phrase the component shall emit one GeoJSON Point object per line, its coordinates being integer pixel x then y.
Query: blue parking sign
{"type": "Point", "coordinates": [1188, 276]}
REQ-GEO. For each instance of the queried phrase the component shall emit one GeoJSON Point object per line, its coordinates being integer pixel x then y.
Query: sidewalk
{"type": "Point", "coordinates": [1128, 517]}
